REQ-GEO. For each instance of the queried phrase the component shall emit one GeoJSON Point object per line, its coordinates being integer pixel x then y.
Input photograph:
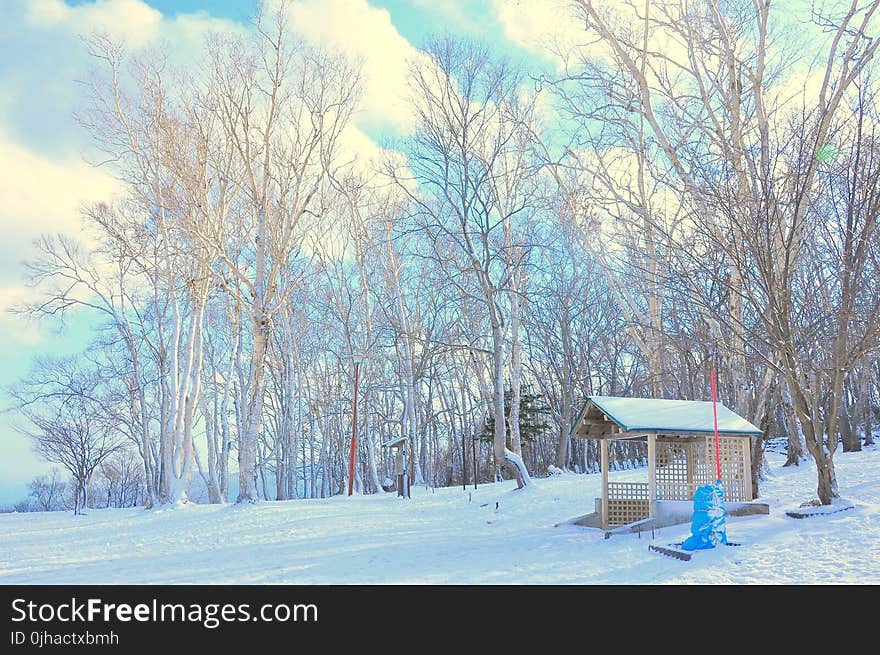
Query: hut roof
{"type": "Point", "coordinates": [652, 415]}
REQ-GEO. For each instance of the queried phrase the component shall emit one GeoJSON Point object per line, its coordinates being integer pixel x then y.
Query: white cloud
{"type": "Point", "coordinates": [351, 27]}
{"type": "Point", "coordinates": [540, 26]}
{"type": "Point", "coordinates": [44, 195]}
{"type": "Point", "coordinates": [801, 87]}
{"type": "Point", "coordinates": [14, 328]}
{"type": "Point", "coordinates": [366, 34]}
{"type": "Point", "coordinates": [40, 196]}
{"type": "Point", "coordinates": [355, 144]}
{"type": "Point", "coordinates": [556, 30]}
{"type": "Point", "coordinates": [132, 20]}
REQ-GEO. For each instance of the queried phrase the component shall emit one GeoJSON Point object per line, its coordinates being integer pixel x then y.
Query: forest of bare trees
{"type": "Point", "coordinates": [690, 187]}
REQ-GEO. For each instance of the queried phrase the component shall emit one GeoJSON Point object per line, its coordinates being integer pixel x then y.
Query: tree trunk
{"type": "Point", "coordinates": [247, 478]}
{"type": "Point", "coordinates": [280, 468]}
{"type": "Point", "coordinates": [868, 421]}
{"type": "Point", "coordinates": [757, 446]}
{"type": "Point", "coordinates": [213, 457]}
{"type": "Point", "coordinates": [372, 466]}
{"type": "Point", "coordinates": [563, 447]}
{"type": "Point", "coordinates": [515, 369]}
{"type": "Point", "coordinates": [503, 456]}
{"type": "Point", "coordinates": [851, 440]}
{"type": "Point", "coordinates": [795, 449]}
{"type": "Point", "coordinates": [827, 489]}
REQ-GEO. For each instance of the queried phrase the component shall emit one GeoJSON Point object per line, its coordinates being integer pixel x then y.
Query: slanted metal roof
{"type": "Point", "coordinates": [652, 415]}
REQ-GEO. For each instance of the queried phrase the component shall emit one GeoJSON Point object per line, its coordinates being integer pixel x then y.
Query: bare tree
{"type": "Point", "coordinates": [63, 406]}
{"type": "Point", "coordinates": [48, 491]}
{"type": "Point", "coordinates": [281, 106]}
{"type": "Point", "coordinates": [120, 481]}
{"type": "Point", "coordinates": [469, 116]}
{"type": "Point", "coordinates": [716, 104]}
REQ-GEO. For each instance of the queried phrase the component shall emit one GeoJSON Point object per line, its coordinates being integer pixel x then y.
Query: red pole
{"type": "Point", "coordinates": [354, 422]}
{"type": "Point", "coordinates": [715, 420]}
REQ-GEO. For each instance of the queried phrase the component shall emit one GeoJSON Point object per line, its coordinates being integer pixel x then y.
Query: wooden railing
{"type": "Point", "coordinates": [682, 467]}
{"type": "Point", "coordinates": [628, 490]}
{"type": "Point", "coordinates": [627, 502]}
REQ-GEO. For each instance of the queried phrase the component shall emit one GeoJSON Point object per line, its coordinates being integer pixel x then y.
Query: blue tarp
{"type": "Point", "coordinates": [707, 527]}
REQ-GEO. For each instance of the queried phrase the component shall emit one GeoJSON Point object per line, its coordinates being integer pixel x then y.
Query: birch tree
{"type": "Point", "coordinates": [282, 106]}
{"type": "Point", "coordinates": [467, 108]}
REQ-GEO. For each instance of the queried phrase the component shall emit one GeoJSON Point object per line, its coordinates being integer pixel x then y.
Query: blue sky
{"type": "Point", "coordinates": [44, 152]}
{"type": "Point", "coordinates": [414, 19]}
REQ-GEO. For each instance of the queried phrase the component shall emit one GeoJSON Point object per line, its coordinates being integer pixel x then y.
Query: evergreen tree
{"type": "Point", "coordinates": [532, 417]}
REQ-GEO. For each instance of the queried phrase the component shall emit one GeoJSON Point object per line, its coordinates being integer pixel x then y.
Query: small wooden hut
{"type": "Point", "coordinates": [680, 442]}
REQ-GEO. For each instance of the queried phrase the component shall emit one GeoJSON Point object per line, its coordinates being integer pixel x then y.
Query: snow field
{"type": "Point", "coordinates": [440, 537]}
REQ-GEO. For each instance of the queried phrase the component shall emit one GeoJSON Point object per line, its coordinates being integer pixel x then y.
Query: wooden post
{"type": "Point", "coordinates": [354, 423]}
{"type": "Point", "coordinates": [474, 451]}
{"type": "Point", "coordinates": [747, 460]}
{"type": "Point", "coordinates": [652, 475]}
{"type": "Point", "coordinates": [400, 466]}
{"type": "Point", "coordinates": [709, 454]}
{"type": "Point", "coordinates": [691, 461]}
{"type": "Point", "coordinates": [463, 464]}
{"type": "Point", "coordinates": [603, 459]}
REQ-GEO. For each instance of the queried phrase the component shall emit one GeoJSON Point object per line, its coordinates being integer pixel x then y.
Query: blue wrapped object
{"type": "Point", "coordinates": [707, 526]}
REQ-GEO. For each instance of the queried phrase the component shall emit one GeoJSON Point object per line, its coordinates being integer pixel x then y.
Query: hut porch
{"type": "Point", "coordinates": [681, 457]}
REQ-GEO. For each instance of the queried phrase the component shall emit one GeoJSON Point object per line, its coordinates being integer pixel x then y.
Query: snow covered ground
{"type": "Point", "coordinates": [442, 537]}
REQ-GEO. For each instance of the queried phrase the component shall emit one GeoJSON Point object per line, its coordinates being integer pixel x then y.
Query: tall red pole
{"type": "Point", "coordinates": [354, 422]}
{"type": "Point", "coordinates": [715, 420]}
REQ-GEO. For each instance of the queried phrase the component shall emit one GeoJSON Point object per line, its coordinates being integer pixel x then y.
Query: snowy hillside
{"type": "Point", "coordinates": [442, 537]}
